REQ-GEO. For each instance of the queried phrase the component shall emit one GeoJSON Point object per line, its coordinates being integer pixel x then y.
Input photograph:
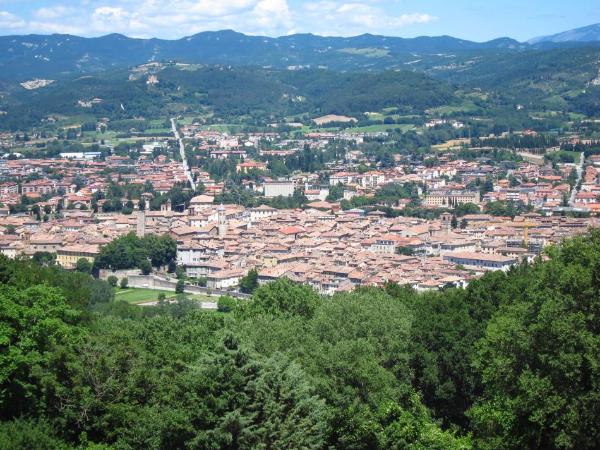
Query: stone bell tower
{"type": "Point", "coordinates": [222, 219]}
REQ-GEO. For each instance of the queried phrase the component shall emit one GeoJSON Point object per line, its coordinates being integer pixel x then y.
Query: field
{"type": "Point", "coordinates": [132, 295]}
{"type": "Point", "coordinates": [369, 52]}
{"type": "Point", "coordinates": [383, 127]}
{"type": "Point", "coordinates": [135, 296]}
{"type": "Point", "coordinates": [465, 107]}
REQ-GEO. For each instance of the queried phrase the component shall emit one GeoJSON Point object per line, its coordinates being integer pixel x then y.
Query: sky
{"type": "Point", "coordinates": [477, 20]}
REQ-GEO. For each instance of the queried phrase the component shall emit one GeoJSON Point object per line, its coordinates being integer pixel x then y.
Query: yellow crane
{"type": "Point", "coordinates": [525, 225]}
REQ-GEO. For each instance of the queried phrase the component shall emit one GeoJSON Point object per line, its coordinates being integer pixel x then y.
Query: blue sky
{"type": "Point", "coordinates": [469, 19]}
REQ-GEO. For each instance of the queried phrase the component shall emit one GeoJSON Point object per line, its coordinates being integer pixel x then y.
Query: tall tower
{"type": "Point", "coordinates": [446, 219]}
{"type": "Point", "coordinates": [222, 218]}
{"type": "Point", "coordinates": [141, 224]}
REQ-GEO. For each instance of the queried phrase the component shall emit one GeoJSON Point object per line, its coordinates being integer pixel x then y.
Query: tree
{"type": "Point", "coordinates": [226, 303]}
{"type": "Point", "coordinates": [412, 427]}
{"type": "Point", "coordinates": [22, 434]}
{"type": "Point", "coordinates": [250, 282]}
{"type": "Point", "coordinates": [266, 403]}
{"type": "Point", "coordinates": [145, 266]}
{"type": "Point", "coordinates": [180, 287]}
{"type": "Point", "coordinates": [36, 325]}
{"type": "Point", "coordinates": [83, 265]}
{"type": "Point", "coordinates": [539, 358]}
{"type": "Point", "coordinates": [44, 258]}
{"type": "Point", "coordinates": [335, 193]}
{"type": "Point", "coordinates": [112, 280]}
{"type": "Point", "coordinates": [130, 251]}
{"type": "Point", "coordinates": [284, 297]}
{"type": "Point", "coordinates": [124, 282]}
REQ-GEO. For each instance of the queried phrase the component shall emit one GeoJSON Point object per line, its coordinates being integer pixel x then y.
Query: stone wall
{"type": "Point", "coordinates": [136, 280]}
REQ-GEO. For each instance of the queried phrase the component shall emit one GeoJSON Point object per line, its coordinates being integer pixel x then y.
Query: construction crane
{"type": "Point", "coordinates": [525, 225]}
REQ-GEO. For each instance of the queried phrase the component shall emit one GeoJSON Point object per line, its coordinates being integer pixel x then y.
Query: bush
{"type": "Point", "coordinates": [83, 265]}
{"type": "Point", "coordinates": [180, 287]}
{"type": "Point", "coordinates": [124, 283]}
{"type": "Point", "coordinates": [112, 280]}
{"type": "Point", "coordinates": [145, 267]}
{"type": "Point", "coordinates": [226, 303]}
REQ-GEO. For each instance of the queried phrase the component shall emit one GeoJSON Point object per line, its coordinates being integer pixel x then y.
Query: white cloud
{"type": "Point", "coordinates": [178, 18]}
{"type": "Point", "coordinates": [52, 12]}
{"type": "Point", "coordinates": [9, 21]}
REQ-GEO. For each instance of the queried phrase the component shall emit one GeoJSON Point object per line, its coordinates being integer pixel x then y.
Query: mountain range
{"type": "Point", "coordinates": [56, 56]}
{"type": "Point", "coordinates": [590, 33]}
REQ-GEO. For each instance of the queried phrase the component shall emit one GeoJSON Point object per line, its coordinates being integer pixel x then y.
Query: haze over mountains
{"type": "Point", "coordinates": [55, 56]}
{"type": "Point", "coordinates": [590, 33]}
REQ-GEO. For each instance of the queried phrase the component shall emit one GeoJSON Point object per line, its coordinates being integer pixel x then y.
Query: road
{"type": "Point", "coordinates": [187, 170]}
{"type": "Point", "coordinates": [579, 175]}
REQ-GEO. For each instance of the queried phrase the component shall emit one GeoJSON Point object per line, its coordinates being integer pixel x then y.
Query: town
{"type": "Point", "coordinates": [320, 208]}
{"type": "Point", "coordinates": [277, 224]}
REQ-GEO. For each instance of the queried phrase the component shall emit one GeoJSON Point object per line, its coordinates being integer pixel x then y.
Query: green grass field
{"type": "Point", "coordinates": [132, 295]}
{"type": "Point", "coordinates": [466, 107]}
{"type": "Point", "coordinates": [383, 127]}
{"type": "Point", "coordinates": [135, 295]}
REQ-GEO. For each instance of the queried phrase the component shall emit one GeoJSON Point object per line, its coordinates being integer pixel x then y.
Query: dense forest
{"type": "Point", "coordinates": [511, 362]}
{"type": "Point", "coordinates": [228, 92]}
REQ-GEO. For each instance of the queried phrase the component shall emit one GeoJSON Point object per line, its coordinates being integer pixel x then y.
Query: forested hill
{"type": "Point", "coordinates": [57, 56]}
{"type": "Point", "coordinates": [511, 362]}
{"type": "Point", "coordinates": [227, 91]}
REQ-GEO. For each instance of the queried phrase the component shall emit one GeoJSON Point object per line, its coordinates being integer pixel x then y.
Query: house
{"type": "Point", "coordinates": [224, 279]}
{"type": "Point", "coordinates": [201, 202]}
{"type": "Point", "coordinates": [481, 261]}
{"type": "Point", "coordinates": [249, 165]}
{"type": "Point", "coordinates": [261, 212]}
{"type": "Point", "coordinates": [68, 256]}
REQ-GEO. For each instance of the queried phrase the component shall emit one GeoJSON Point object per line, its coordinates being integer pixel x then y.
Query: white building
{"type": "Point", "coordinates": [284, 188]}
{"type": "Point", "coordinates": [224, 279]}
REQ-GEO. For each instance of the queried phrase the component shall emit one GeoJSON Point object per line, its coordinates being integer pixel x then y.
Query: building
{"type": "Point", "coordinates": [9, 188]}
{"type": "Point", "coordinates": [224, 279]}
{"type": "Point", "coordinates": [481, 261]}
{"type": "Point", "coordinates": [261, 212]}
{"type": "Point", "coordinates": [68, 256]}
{"type": "Point", "coordinates": [449, 198]}
{"type": "Point", "coordinates": [222, 221]}
{"type": "Point", "coordinates": [284, 188]}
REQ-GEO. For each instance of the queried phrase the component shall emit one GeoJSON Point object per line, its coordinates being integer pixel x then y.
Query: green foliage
{"type": "Point", "coordinates": [462, 209]}
{"type": "Point", "coordinates": [112, 280]}
{"type": "Point", "coordinates": [250, 282]}
{"type": "Point", "coordinates": [22, 434]}
{"type": "Point", "coordinates": [180, 286]}
{"type": "Point", "coordinates": [335, 193]}
{"type": "Point", "coordinates": [37, 327]}
{"type": "Point", "coordinates": [539, 358]}
{"type": "Point", "coordinates": [129, 251]}
{"type": "Point", "coordinates": [124, 283]}
{"type": "Point", "coordinates": [227, 304]}
{"type": "Point", "coordinates": [284, 297]}
{"type": "Point", "coordinates": [44, 258]}
{"type": "Point", "coordinates": [506, 208]}
{"type": "Point", "coordinates": [510, 362]}
{"type": "Point", "coordinates": [83, 265]}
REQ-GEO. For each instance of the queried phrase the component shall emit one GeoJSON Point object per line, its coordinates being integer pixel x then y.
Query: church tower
{"type": "Point", "coordinates": [222, 218]}
{"type": "Point", "coordinates": [141, 224]}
